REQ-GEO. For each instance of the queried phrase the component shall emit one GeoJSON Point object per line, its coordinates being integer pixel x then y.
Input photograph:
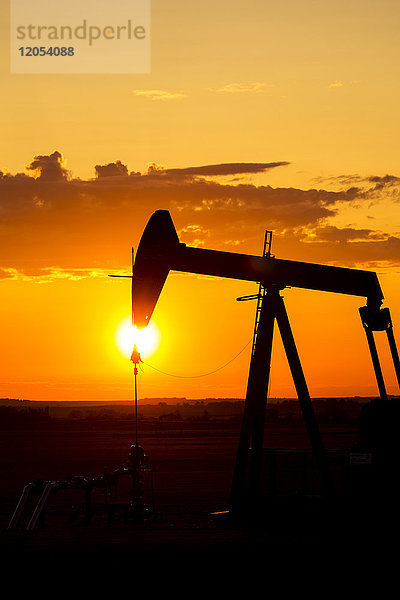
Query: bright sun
{"type": "Point", "coordinates": [146, 340]}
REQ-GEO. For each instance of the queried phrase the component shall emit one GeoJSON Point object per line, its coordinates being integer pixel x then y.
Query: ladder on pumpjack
{"type": "Point", "coordinates": [262, 290]}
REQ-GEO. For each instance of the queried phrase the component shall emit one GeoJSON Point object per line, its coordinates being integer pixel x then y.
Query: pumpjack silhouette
{"type": "Point", "coordinates": [160, 251]}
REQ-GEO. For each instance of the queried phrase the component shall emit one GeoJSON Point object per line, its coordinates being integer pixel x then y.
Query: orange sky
{"type": "Point", "coordinates": [304, 94]}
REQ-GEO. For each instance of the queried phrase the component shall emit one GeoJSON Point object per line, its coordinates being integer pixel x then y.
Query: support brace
{"type": "Point", "coordinates": [246, 478]}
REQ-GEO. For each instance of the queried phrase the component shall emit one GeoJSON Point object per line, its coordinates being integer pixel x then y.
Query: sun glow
{"type": "Point", "coordinates": [146, 340]}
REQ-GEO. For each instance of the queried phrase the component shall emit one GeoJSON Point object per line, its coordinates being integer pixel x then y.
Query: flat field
{"type": "Point", "coordinates": [193, 465]}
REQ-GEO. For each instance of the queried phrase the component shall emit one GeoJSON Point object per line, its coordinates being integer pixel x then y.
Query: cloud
{"type": "Point", "coordinates": [6, 274]}
{"type": "Point", "coordinates": [194, 235]}
{"type": "Point", "coordinates": [336, 84]}
{"type": "Point", "coordinates": [389, 184]}
{"type": "Point", "coordinates": [373, 186]}
{"type": "Point", "coordinates": [160, 94]}
{"type": "Point", "coordinates": [360, 248]}
{"type": "Point", "coordinates": [49, 168]}
{"type": "Point", "coordinates": [224, 169]}
{"type": "Point", "coordinates": [51, 274]}
{"type": "Point", "coordinates": [111, 170]}
{"type": "Point", "coordinates": [330, 233]}
{"type": "Point", "coordinates": [240, 88]}
{"type": "Point", "coordinates": [53, 225]}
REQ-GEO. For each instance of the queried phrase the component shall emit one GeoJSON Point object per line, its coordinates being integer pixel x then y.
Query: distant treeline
{"type": "Point", "coordinates": [10, 415]}
{"type": "Point", "coordinates": [334, 411]}
{"type": "Point", "coordinates": [327, 410]}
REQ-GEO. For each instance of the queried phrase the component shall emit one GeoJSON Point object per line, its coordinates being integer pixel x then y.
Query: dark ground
{"type": "Point", "coordinates": [193, 465]}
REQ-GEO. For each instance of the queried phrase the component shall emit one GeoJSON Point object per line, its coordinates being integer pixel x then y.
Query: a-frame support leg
{"type": "Point", "coordinates": [393, 350]}
{"type": "Point", "coordinates": [375, 361]}
{"type": "Point", "coordinates": [252, 430]}
{"type": "Point", "coordinates": [304, 397]}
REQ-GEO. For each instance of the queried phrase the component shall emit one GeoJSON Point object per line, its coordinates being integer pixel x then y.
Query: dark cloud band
{"type": "Point", "coordinates": [51, 220]}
